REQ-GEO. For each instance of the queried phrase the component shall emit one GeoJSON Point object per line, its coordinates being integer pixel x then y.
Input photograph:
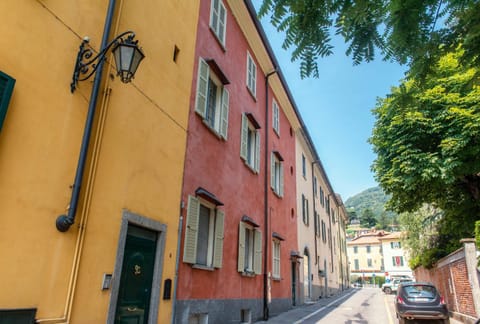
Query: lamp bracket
{"type": "Point", "coordinates": [85, 61]}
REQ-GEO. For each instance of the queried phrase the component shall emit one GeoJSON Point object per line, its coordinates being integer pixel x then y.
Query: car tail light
{"type": "Point", "coordinates": [400, 300]}
{"type": "Point", "coordinates": [442, 300]}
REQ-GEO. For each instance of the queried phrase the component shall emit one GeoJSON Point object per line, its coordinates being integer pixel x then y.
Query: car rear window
{"type": "Point", "coordinates": [420, 291]}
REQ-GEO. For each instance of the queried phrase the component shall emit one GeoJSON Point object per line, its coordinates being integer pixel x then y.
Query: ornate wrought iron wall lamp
{"type": "Point", "coordinates": [126, 53]}
{"type": "Point", "coordinates": [127, 58]}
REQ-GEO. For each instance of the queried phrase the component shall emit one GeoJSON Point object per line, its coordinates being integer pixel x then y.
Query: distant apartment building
{"type": "Point", "coordinates": [365, 255]}
{"type": "Point", "coordinates": [395, 258]}
{"type": "Point", "coordinates": [377, 253]}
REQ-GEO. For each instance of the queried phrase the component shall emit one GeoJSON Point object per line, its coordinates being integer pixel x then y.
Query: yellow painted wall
{"type": "Point", "coordinates": [136, 163]}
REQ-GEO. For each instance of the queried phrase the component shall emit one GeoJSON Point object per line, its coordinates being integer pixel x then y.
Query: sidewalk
{"type": "Point", "coordinates": [299, 312]}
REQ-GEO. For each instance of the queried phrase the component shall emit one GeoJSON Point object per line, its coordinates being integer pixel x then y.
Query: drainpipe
{"type": "Point", "coordinates": [314, 214]}
{"type": "Point", "coordinates": [266, 189]}
{"type": "Point", "coordinates": [330, 232]}
{"type": "Point", "coordinates": [64, 222]}
{"type": "Point", "coordinates": [177, 264]}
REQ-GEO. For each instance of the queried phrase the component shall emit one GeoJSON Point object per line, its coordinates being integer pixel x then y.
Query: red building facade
{"type": "Point", "coordinates": [238, 248]}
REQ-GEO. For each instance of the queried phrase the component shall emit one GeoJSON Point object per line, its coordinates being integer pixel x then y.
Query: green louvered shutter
{"type": "Point", "coordinates": [241, 247]}
{"type": "Point", "coordinates": [218, 249]}
{"type": "Point", "coordinates": [244, 137]}
{"type": "Point", "coordinates": [224, 114]}
{"type": "Point", "coordinates": [281, 180]}
{"type": "Point", "coordinates": [191, 231]}
{"type": "Point", "coordinates": [202, 88]}
{"type": "Point", "coordinates": [257, 151]}
{"type": "Point", "coordinates": [257, 258]}
{"type": "Point", "coordinates": [272, 170]}
{"type": "Point", "coordinates": [6, 89]}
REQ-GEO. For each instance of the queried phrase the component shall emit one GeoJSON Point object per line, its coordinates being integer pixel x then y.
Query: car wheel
{"type": "Point", "coordinates": [388, 291]}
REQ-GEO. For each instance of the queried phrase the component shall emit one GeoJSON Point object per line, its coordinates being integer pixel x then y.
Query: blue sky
{"type": "Point", "coordinates": [336, 109]}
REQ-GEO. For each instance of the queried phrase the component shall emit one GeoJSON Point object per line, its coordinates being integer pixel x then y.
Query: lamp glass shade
{"type": "Point", "coordinates": [127, 58]}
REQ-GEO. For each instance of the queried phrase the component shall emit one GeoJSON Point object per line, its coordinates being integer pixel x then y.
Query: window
{"type": "Point", "coordinates": [304, 166]}
{"type": "Point", "coordinates": [276, 259]}
{"type": "Point", "coordinates": [395, 245]}
{"type": "Point", "coordinates": [324, 232]}
{"type": "Point", "coordinates": [218, 20]}
{"type": "Point", "coordinates": [315, 189]}
{"type": "Point", "coordinates": [212, 99]}
{"type": "Point", "coordinates": [397, 261]}
{"type": "Point", "coordinates": [305, 210]}
{"type": "Point", "coordinates": [317, 223]}
{"type": "Point", "coordinates": [369, 263]}
{"type": "Point", "coordinates": [251, 75]}
{"type": "Point", "coordinates": [276, 118]}
{"type": "Point", "coordinates": [6, 89]}
{"type": "Point", "coordinates": [355, 249]}
{"type": "Point", "coordinates": [249, 249]}
{"type": "Point", "coordinates": [357, 266]}
{"type": "Point", "coordinates": [204, 234]}
{"type": "Point", "coordinates": [322, 197]}
{"type": "Point", "coordinates": [250, 146]}
{"type": "Point", "coordinates": [277, 173]}
{"type": "Point", "coordinates": [369, 249]}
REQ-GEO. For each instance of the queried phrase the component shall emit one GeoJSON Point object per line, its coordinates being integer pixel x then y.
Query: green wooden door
{"type": "Point", "coordinates": [137, 274]}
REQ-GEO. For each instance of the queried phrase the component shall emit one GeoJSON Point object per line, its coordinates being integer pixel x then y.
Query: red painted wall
{"type": "Point", "coordinates": [216, 165]}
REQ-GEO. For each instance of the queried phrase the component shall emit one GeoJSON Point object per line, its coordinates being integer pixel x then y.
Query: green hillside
{"type": "Point", "coordinates": [373, 199]}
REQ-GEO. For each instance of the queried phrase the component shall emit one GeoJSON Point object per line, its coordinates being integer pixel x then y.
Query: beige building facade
{"type": "Point", "coordinates": [321, 219]}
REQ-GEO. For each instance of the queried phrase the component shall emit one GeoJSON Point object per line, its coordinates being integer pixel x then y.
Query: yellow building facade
{"type": "Point", "coordinates": [125, 230]}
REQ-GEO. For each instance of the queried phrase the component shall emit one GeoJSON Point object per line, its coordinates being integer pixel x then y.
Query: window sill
{"type": "Point", "coordinates": [254, 97]}
{"type": "Point", "coordinates": [278, 279]}
{"type": "Point", "coordinates": [247, 273]}
{"type": "Point", "coordinates": [211, 129]}
{"type": "Point", "coordinates": [250, 167]}
{"type": "Point", "coordinates": [219, 42]}
{"type": "Point", "coordinates": [277, 194]}
{"type": "Point", "coordinates": [202, 267]}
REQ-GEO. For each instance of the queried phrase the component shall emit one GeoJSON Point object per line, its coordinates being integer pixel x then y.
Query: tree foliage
{"type": "Point", "coordinates": [406, 31]}
{"type": "Point", "coordinates": [367, 219]}
{"type": "Point", "coordinates": [427, 140]}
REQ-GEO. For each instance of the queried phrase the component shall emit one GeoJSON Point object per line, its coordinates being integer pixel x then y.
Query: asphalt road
{"type": "Point", "coordinates": [354, 306]}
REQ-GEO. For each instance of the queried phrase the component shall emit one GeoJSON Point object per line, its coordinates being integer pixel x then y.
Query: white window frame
{"type": "Point", "coordinates": [249, 257]}
{"type": "Point", "coordinates": [251, 75]}
{"type": "Point", "coordinates": [215, 235]}
{"type": "Point", "coordinates": [276, 117]}
{"type": "Point", "coordinates": [250, 144]}
{"type": "Point", "coordinates": [220, 119]}
{"type": "Point", "coordinates": [218, 20]}
{"type": "Point", "coordinates": [276, 259]}
{"type": "Point", "coordinates": [276, 174]}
